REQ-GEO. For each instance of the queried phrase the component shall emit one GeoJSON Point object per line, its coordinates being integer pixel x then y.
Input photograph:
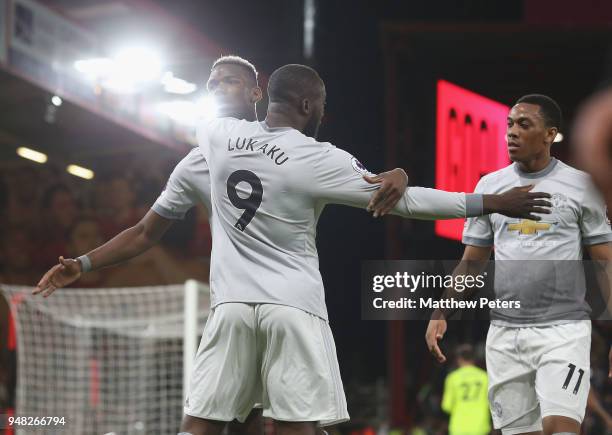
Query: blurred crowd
{"type": "Point", "coordinates": [45, 213]}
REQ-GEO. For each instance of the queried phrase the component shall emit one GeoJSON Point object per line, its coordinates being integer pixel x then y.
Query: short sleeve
{"type": "Point", "coordinates": [188, 184]}
{"type": "Point", "coordinates": [478, 231]}
{"type": "Point", "coordinates": [339, 180]}
{"type": "Point", "coordinates": [594, 223]}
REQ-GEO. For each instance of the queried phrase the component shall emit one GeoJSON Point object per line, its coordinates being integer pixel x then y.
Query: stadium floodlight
{"type": "Point", "coordinates": [139, 64]}
{"type": "Point", "coordinates": [188, 112]}
{"type": "Point", "coordinates": [132, 68]}
{"type": "Point", "coordinates": [79, 171]}
{"type": "Point", "coordinates": [126, 71]}
{"type": "Point", "coordinates": [180, 111]}
{"type": "Point", "coordinates": [56, 100]}
{"type": "Point", "coordinates": [120, 84]}
{"type": "Point", "coordinates": [175, 85]}
{"type": "Point", "coordinates": [95, 68]}
{"type": "Point", "coordinates": [30, 154]}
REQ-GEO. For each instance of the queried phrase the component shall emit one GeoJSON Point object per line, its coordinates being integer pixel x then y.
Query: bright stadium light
{"type": "Point", "coordinates": [30, 154]}
{"type": "Point", "coordinates": [180, 111]}
{"type": "Point", "coordinates": [56, 100]}
{"type": "Point", "coordinates": [558, 137]}
{"type": "Point", "coordinates": [132, 67]}
{"type": "Point", "coordinates": [188, 112]}
{"type": "Point", "coordinates": [125, 72]}
{"type": "Point", "coordinates": [79, 171]}
{"type": "Point", "coordinates": [120, 84]}
{"type": "Point", "coordinates": [95, 68]}
{"type": "Point", "coordinates": [140, 64]}
{"type": "Point", "coordinates": [175, 85]}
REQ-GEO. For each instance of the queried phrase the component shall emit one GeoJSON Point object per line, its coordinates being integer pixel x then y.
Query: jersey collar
{"type": "Point", "coordinates": [541, 173]}
{"type": "Point", "coordinates": [273, 129]}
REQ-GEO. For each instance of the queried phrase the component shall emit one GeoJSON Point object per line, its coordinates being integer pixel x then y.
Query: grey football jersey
{"type": "Point", "coordinates": [549, 278]}
{"type": "Point", "coordinates": [268, 187]}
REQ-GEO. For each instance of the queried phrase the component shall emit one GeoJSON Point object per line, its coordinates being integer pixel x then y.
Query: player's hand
{"type": "Point", "coordinates": [435, 332]}
{"type": "Point", "coordinates": [392, 187]}
{"type": "Point", "coordinates": [60, 275]}
{"type": "Point", "coordinates": [519, 202]}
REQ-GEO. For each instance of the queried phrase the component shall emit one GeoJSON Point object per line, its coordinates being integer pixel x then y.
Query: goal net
{"type": "Point", "coordinates": [107, 360]}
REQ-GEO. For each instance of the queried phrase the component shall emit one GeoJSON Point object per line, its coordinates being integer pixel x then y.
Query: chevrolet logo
{"type": "Point", "coordinates": [527, 226]}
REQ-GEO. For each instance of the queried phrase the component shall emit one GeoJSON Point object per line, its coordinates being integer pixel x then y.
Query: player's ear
{"type": "Point", "coordinates": [256, 95]}
{"type": "Point", "coordinates": [551, 133]}
{"type": "Point", "coordinates": [305, 106]}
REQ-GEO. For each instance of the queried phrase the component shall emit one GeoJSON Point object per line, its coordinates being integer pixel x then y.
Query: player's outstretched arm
{"type": "Point", "coordinates": [122, 247]}
{"type": "Point", "coordinates": [425, 203]}
{"type": "Point", "coordinates": [473, 262]}
{"type": "Point", "coordinates": [338, 180]}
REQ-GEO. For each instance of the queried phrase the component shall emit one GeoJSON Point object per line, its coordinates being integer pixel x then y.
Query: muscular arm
{"type": "Point", "coordinates": [131, 242]}
{"type": "Point", "coordinates": [428, 204]}
{"type": "Point", "coordinates": [122, 247]}
{"type": "Point", "coordinates": [337, 179]}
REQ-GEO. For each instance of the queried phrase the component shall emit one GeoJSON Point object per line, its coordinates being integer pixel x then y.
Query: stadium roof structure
{"type": "Point", "coordinates": [40, 45]}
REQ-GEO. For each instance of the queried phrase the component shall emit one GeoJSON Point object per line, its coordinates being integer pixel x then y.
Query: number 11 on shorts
{"type": "Point", "coordinates": [572, 368]}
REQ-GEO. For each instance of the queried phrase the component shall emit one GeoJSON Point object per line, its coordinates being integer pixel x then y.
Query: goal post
{"type": "Point", "coordinates": [109, 360]}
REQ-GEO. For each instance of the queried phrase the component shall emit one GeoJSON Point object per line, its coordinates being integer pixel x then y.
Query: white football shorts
{"type": "Point", "coordinates": [279, 357]}
{"type": "Point", "coordinates": [535, 372]}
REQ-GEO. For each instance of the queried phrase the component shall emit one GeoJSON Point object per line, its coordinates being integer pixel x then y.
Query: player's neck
{"type": "Point", "coordinates": [536, 164]}
{"type": "Point", "coordinates": [277, 117]}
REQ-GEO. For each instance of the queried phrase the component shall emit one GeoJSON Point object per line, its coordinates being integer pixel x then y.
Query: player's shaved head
{"type": "Point", "coordinates": [296, 98]}
{"type": "Point", "coordinates": [290, 84]}
{"type": "Point", "coordinates": [250, 73]}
